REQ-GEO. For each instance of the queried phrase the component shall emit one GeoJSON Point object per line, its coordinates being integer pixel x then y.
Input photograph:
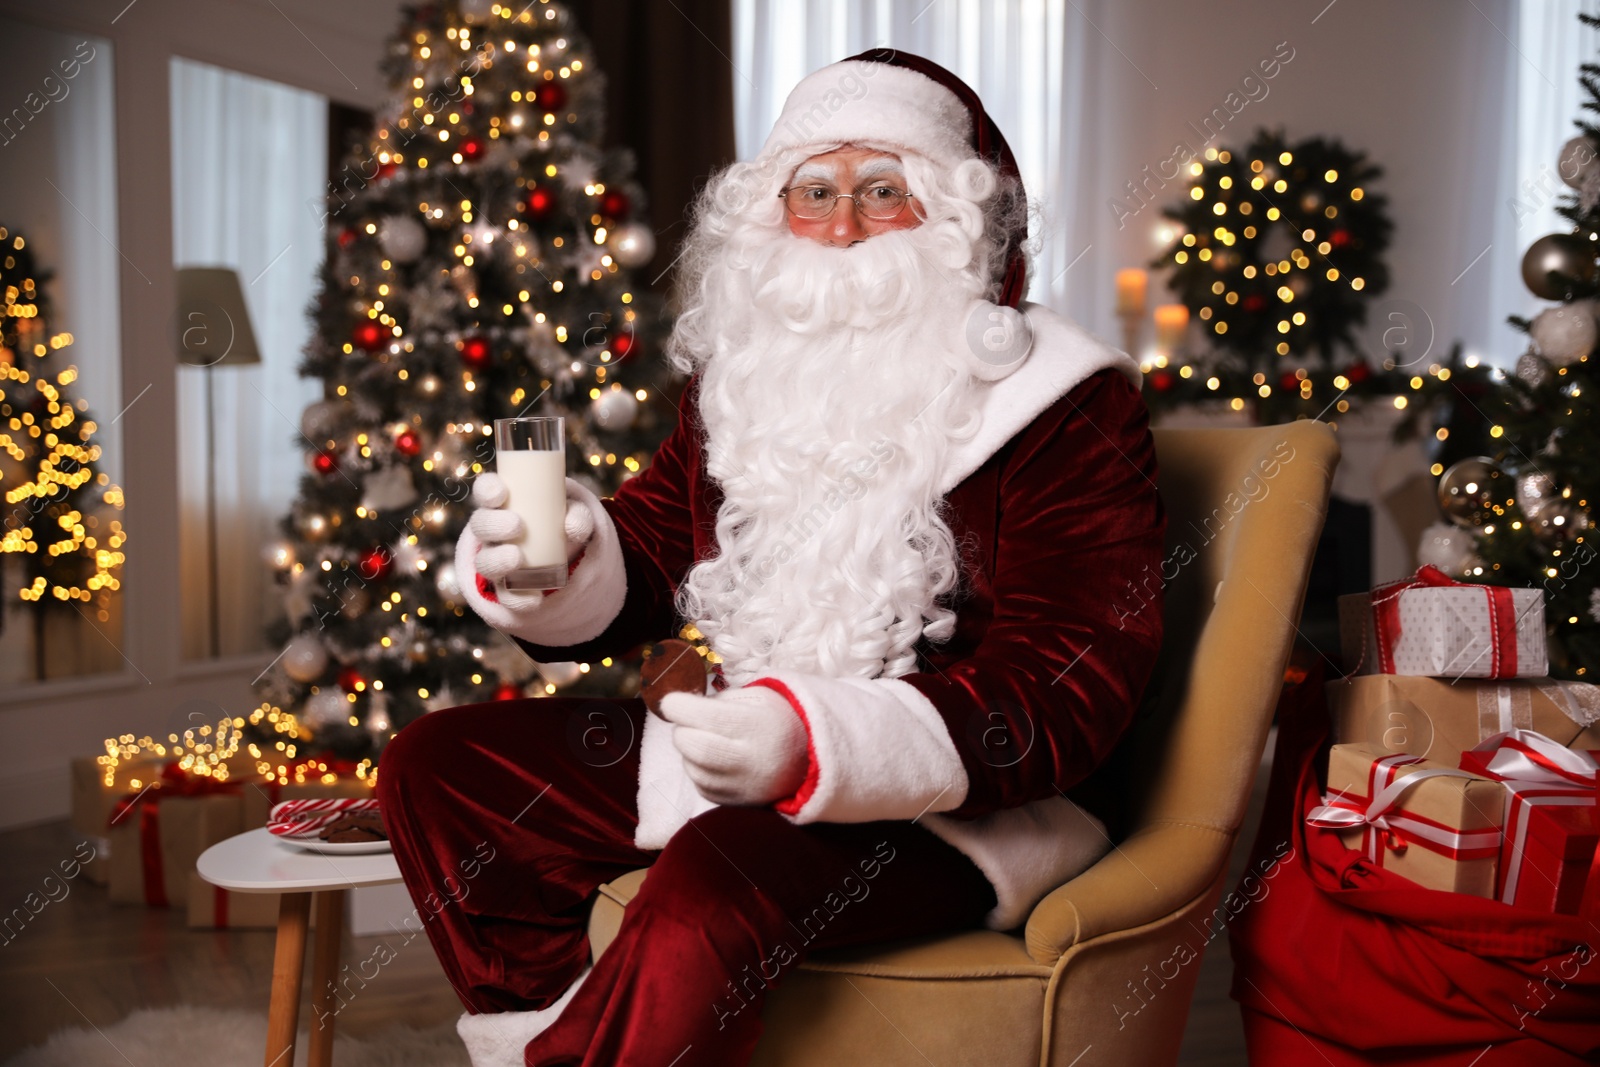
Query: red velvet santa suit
{"type": "Point", "coordinates": [948, 784]}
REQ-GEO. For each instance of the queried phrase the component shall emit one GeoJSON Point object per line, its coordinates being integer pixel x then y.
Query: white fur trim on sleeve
{"type": "Point", "coordinates": [880, 749]}
{"type": "Point", "coordinates": [1026, 852]}
{"type": "Point", "coordinates": [580, 612]}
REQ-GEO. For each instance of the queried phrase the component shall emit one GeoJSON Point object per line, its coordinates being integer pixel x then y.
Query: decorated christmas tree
{"type": "Point", "coordinates": [478, 254]}
{"type": "Point", "coordinates": [62, 545]}
{"type": "Point", "coordinates": [1527, 506]}
{"type": "Point", "coordinates": [1276, 251]}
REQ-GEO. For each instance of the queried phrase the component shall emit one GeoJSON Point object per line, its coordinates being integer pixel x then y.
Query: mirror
{"type": "Point", "coordinates": [61, 460]}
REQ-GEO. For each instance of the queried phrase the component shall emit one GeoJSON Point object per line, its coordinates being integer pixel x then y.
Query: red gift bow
{"type": "Point", "coordinates": [1502, 619]}
{"type": "Point", "coordinates": [174, 782]}
{"type": "Point", "coordinates": [1537, 770]}
{"type": "Point", "coordinates": [1397, 829]}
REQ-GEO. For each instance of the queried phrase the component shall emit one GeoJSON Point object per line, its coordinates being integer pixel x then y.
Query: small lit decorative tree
{"type": "Point", "coordinates": [61, 521]}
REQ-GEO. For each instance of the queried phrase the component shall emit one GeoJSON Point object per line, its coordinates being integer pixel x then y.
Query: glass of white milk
{"type": "Point", "coordinates": [531, 456]}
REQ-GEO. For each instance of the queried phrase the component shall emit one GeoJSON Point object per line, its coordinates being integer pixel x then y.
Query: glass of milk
{"type": "Point", "coordinates": [531, 456]}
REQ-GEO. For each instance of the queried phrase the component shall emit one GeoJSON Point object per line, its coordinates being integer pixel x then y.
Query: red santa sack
{"type": "Point", "coordinates": [1366, 967]}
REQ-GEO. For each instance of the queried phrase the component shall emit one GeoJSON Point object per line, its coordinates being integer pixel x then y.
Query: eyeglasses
{"type": "Point", "coordinates": [880, 202]}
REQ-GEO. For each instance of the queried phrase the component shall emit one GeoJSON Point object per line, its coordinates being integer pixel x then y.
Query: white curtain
{"type": "Point", "coordinates": [1550, 44]}
{"type": "Point", "coordinates": [1026, 59]}
{"type": "Point", "coordinates": [249, 162]}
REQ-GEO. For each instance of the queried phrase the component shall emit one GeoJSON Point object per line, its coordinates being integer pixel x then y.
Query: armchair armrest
{"type": "Point", "coordinates": [1153, 873]}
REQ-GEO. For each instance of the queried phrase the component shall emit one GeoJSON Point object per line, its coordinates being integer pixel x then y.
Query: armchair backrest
{"type": "Point", "coordinates": [1244, 510]}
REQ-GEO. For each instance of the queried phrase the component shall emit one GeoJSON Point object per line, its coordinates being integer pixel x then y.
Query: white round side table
{"type": "Point", "coordinates": [258, 862]}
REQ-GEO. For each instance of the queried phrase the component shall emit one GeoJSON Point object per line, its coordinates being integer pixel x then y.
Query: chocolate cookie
{"type": "Point", "coordinates": [360, 827]}
{"type": "Point", "coordinates": [671, 666]}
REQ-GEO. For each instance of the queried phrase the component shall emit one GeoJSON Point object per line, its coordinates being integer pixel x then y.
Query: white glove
{"type": "Point", "coordinates": [743, 746]}
{"type": "Point", "coordinates": [500, 528]}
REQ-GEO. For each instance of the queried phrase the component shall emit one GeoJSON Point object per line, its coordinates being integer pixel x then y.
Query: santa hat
{"type": "Point", "coordinates": [895, 100]}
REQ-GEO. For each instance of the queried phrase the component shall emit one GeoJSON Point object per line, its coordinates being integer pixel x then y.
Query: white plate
{"type": "Point", "coordinates": [336, 848]}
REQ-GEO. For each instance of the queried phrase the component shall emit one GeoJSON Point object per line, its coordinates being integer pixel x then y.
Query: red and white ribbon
{"type": "Point", "coordinates": [1529, 756]}
{"type": "Point", "coordinates": [1398, 829]}
{"type": "Point", "coordinates": [307, 818]}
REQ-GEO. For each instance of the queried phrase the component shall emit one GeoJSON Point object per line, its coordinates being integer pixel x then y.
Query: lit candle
{"type": "Point", "coordinates": [1130, 291]}
{"type": "Point", "coordinates": [1171, 321]}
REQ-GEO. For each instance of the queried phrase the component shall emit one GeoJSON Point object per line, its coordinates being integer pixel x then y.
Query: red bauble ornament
{"type": "Point", "coordinates": [1289, 380]}
{"type": "Point", "coordinates": [368, 336]}
{"type": "Point", "coordinates": [1254, 302]}
{"type": "Point", "coordinates": [507, 691]}
{"type": "Point", "coordinates": [346, 238]}
{"type": "Point", "coordinates": [476, 352]}
{"type": "Point", "coordinates": [1162, 380]}
{"type": "Point", "coordinates": [407, 443]}
{"type": "Point", "coordinates": [1339, 238]}
{"type": "Point", "coordinates": [541, 202]}
{"type": "Point", "coordinates": [622, 345]}
{"type": "Point", "coordinates": [471, 149]}
{"type": "Point", "coordinates": [614, 204]}
{"type": "Point", "coordinates": [350, 679]}
{"type": "Point", "coordinates": [386, 169]}
{"type": "Point", "coordinates": [375, 563]}
{"type": "Point", "coordinates": [324, 463]}
{"type": "Point", "coordinates": [1357, 373]}
{"type": "Point", "coordinates": [550, 96]}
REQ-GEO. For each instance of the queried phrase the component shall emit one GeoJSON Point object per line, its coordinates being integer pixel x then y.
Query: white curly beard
{"type": "Point", "coordinates": [829, 405]}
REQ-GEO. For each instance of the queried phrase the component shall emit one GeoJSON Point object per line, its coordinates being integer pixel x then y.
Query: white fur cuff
{"type": "Point", "coordinates": [879, 750]}
{"type": "Point", "coordinates": [580, 612]}
{"type": "Point", "coordinates": [497, 1039]}
{"type": "Point", "coordinates": [1026, 852]}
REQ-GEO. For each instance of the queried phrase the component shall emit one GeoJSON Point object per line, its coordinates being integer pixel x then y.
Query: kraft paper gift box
{"type": "Point", "coordinates": [156, 842]}
{"type": "Point", "coordinates": [1435, 718]}
{"type": "Point", "coordinates": [92, 802]}
{"type": "Point", "coordinates": [1550, 823]}
{"type": "Point", "coordinates": [1426, 821]}
{"type": "Point", "coordinates": [214, 908]}
{"type": "Point", "coordinates": [1429, 625]}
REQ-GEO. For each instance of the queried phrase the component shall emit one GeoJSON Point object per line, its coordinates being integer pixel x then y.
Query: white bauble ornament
{"type": "Point", "coordinates": [402, 238]}
{"type": "Point", "coordinates": [1536, 493]}
{"type": "Point", "coordinates": [297, 601]}
{"type": "Point", "coordinates": [446, 581]}
{"type": "Point", "coordinates": [388, 489]}
{"type": "Point", "coordinates": [305, 658]}
{"type": "Point", "coordinates": [279, 555]}
{"type": "Point", "coordinates": [615, 409]}
{"type": "Point", "coordinates": [1447, 547]}
{"type": "Point", "coordinates": [478, 10]}
{"type": "Point", "coordinates": [326, 708]}
{"type": "Point", "coordinates": [1577, 161]}
{"type": "Point", "coordinates": [1565, 334]}
{"type": "Point", "coordinates": [632, 244]}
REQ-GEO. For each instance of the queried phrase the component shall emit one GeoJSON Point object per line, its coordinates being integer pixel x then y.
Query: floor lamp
{"type": "Point", "coordinates": [213, 331]}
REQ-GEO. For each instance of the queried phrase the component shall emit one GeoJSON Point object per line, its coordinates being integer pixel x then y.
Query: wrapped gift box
{"type": "Point", "coordinates": [1438, 719]}
{"type": "Point", "coordinates": [1431, 626]}
{"type": "Point", "coordinates": [156, 841]}
{"type": "Point", "coordinates": [92, 801]}
{"type": "Point", "coordinates": [1426, 821]}
{"type": "Point", "coordinates": [214, 908]}
{"type": "Point", "coordinates": [1550, 823]}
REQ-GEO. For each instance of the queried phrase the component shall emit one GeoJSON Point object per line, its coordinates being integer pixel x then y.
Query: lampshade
{"type": "Point", "coordinates": [213, 322]}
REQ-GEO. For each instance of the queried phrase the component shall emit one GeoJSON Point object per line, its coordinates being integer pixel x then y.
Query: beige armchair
{"type": "Point", "coordinates": [1104, 969]}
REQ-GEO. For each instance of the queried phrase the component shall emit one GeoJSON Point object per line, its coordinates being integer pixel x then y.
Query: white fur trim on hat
{"type": "Point", "coordinates": [580, 612]}
{"type": "Point", "coordinates": [861, 102]}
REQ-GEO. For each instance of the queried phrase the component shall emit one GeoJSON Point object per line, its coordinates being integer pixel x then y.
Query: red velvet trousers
{"type": "Point", "coordinates": [505, 818]}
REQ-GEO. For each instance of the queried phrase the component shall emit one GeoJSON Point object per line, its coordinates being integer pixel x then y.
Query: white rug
{"type": "Point", "coordinates": [207, 1037]}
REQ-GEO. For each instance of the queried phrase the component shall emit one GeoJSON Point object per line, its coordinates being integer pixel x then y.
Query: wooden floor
{"type": "Point", "coordinates": [83, 961]}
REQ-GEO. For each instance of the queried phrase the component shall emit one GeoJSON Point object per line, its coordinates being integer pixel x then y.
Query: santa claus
{"type": "Point", "coordinates": [898, 508]}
